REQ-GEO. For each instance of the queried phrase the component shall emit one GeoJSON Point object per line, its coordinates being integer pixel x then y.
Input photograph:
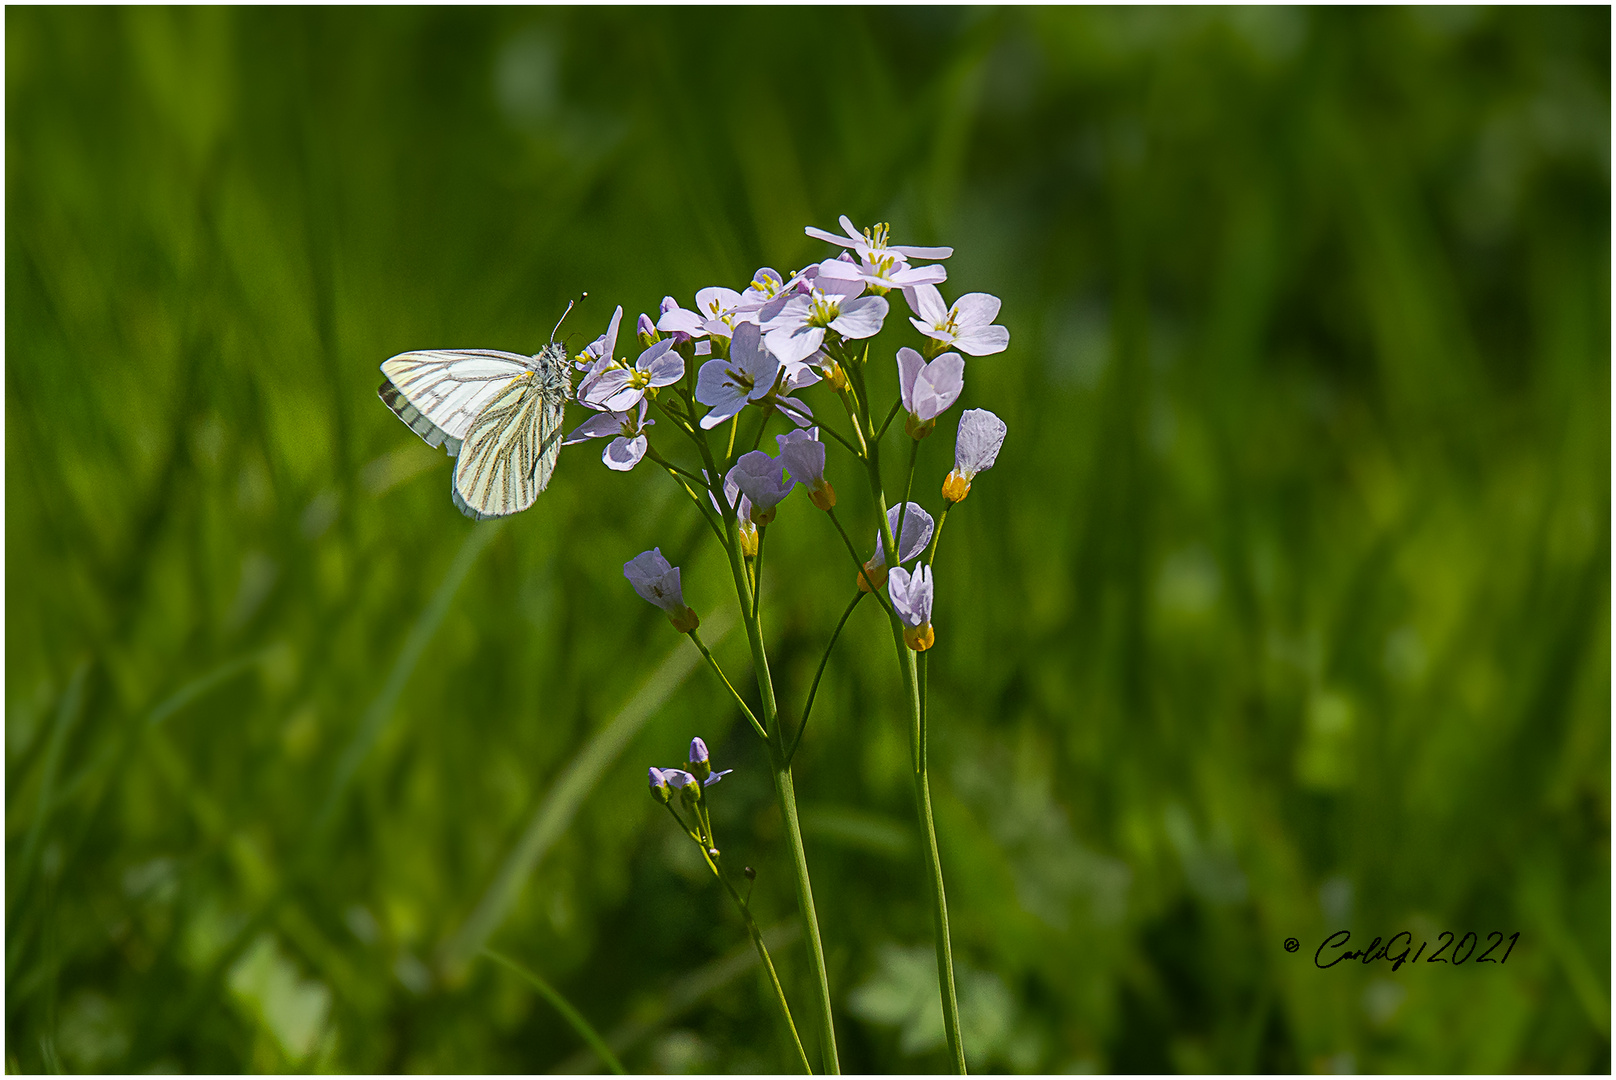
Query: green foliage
{"type": "Point", "coordinates": [1285, 609]}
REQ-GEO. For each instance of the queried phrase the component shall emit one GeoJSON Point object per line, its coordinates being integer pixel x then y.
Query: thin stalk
{"type": "Point", "coordinates": [757, 570]}
{"type": "Point", "coordinates": [768, 964]}
{"type": "Point", "coordinates": [896, 405]}
{"type": "Point", "coordinates": [677, 474]}
{"type": "Point", "coordinates": [908, 488]}
{"type": "Point", "coordinates": [734, 427]}
{"type": "Point", "coordinates": [696, 638]}
{"type": "Point", "coordinates": [833, 433]}
{"type": "Point", "coordinates": [908, 669]}
{"type": "Point", "coordinates": [784, 785]}
{"type": "Point", "coordinates": [562, 1006]}
{"type": "Point", "coordinates": [937, 536]}
{"type": "Point", "coordinates": [768, 410]}
{"type": "Point", "coordinates": [851, 550]}
{"type": "Point", "coordinates": [808, 708]}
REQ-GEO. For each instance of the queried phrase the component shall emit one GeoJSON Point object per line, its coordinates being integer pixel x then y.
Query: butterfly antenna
{"type": "Point", "coordinates": [564, 315]}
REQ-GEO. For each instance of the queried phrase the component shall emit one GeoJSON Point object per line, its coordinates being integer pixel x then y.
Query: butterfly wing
{"type": "Point", "coordinates": [509, 451]}
{"type": "Point", "coordinates": [440, 392]}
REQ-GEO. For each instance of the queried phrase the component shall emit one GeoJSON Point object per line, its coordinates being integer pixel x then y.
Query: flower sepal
{"type": "Point", "coordinates": [956, 487]}
{"type": "Point", "coordinates": [919, 638]}
{"type": "Point", "coordinates": [917, 428]}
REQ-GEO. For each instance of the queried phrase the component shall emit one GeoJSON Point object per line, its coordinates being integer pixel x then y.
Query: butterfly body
{"type": "Point", "coordinates": [498, 414]}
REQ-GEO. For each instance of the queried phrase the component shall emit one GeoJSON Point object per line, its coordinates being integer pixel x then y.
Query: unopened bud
{"type": "Point", "coordinates": [749, 540]}
{"type": "Point", "coordinates": [700, 763]}
{"type": "Point", "coordinates": [822, 495]}
{"type": "Point", "coordinates": [685, 621]}
{"type": "Point", "coordinates": [872, 577]}
{"type": "Point", "coordinates": [918, 429]}
{"type": "Point", "coordinates": [660, 789]}
{"type": "Point", "coordinates": [836, 378]}
{"type": "Point", "coordinates": [956, 487]}
{"type": "Point", "coordinates": [648, 332]}
{"type": "Point", "coordinates": [919, 638]}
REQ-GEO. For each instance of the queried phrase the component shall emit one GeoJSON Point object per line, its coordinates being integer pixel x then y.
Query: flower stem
{"type": "Point", "coordinates": [814, 689]}
{"type": "Point", "coordinates": [936, 537]}
{"type": "Point", "coordinates": [562, 1006]}
{"type": "Point", "coordinates": [851, 550]}
{"type": "Point", "coordinates": [896, 405]}
{"type": "Point", "coordinates": [768, 964]}
{"type": "Point", "coordinates": [757, 570]}
{"type": "Point", "coordinates": [784, 786]}
{"type": "Point", "coordinates": [922, 782]}
{"type": "Point", "coordinates": [696, 638]}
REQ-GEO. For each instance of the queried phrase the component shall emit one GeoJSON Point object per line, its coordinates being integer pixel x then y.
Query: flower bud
{"type": "Point", "coordinates": [700, 763]}
{"type": "Point", "coordinates": [835, 377]}
{"type": "Point", "coordinates": [919, 638]}
{"type": "Point", "coordinates": [660, 789]}
{"type": "Point", "coordinates": [749, 539]}
{"type": "Point", "coordinates": [956, 487]}
{"type": "Point", "coordinates": [917, 428]}
{"type": "Point", "coordinates": [822, 495]}
{"type": "Point", "coordinates": [873, 575]}
{"type": "Point", "coordinates": [648, 332]}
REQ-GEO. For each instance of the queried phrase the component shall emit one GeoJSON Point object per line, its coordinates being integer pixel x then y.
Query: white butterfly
{"type": "Point", "coordinates": [498, 414]}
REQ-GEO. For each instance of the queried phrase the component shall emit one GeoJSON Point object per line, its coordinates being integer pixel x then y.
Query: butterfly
{"type": "Point", "coordinates": [498, 414]}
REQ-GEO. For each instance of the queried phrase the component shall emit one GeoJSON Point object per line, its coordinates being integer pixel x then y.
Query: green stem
{"type": "Point", "coordinates": [696, 638]}
{"type": "Point", "coordinates": [896, 405]}
{"type": "Point", "coordinates": [757, 571]}
{"type": "Point", "coordinates": [808, 709]}
{"type": "Point", "coordinates": [908, 488]}
{"type": "Point", "coordinates": [677, 473]}
{"type": "Point", "coordinates": [917, 734]}
{"type": "Point", "coordinates": [784, 785]}
{"type": "Point", "coordinates": [937, 536]}
{"type": "Point", "coordinates": [768, 964]}
{"type": "Point", "coordinates": [851, 550]}
{"type": "Point", "coordinates": [562, 1006]}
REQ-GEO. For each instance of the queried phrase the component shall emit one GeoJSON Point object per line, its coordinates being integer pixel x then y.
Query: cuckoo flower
{"type": "Point", "coordinates": [804, 457]}
{"type": "Point", "coordinates": [762, 480]}
{"type": "Point", "coordinates": [701, 765]}
{"type": "Point", "coordinates": [917, 530]}
{"type": "Point", "coordinates": [975, 449]}
{"type": "Point", "coordinates": [797, 329]}
{"type": "Point", "coordinates": [620, 388]}
{"type": "Point", "coordinates": [623, 452]}
{"type": "Point", "coordinates": [966, 326]}
{"type": "Point", "coordinates": [748, 375]}
{"type": "Point", "coordinates": [745, 513]}
{"type": "Point", "coordinates": [882, 271]}
{"type": "Point", "coordinates": [658, 583]}
{"type": "Point", "coordinates": [874, 240]}
{"type": "Point", "coordinates": [767, 284]}
{"type": "Point", "coordinates": [911, 599]}
{"type": "Point", "coordinates": [599, 353]}
{"type": "Point", "coordinates": [928, 390]}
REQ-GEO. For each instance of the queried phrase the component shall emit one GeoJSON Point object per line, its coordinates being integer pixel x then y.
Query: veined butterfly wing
{"type": "Point", "coordinates": [440, 392]}
{"type": "Point", "coordinates": [509, 452]}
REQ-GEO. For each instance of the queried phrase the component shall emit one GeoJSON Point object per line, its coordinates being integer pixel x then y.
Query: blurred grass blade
{"type": "Point", "coordinates": [67, 714]}
{"type": "Point", "coordinates": [381, 707]}
{"type": "Point", "coordinates": [564, 1007]}
{"type": "Point", "coordinates": [553, 816]}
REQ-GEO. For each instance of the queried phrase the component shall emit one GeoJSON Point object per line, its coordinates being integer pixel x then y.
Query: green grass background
{"type": "Point", "coordinates": [1286, 608]}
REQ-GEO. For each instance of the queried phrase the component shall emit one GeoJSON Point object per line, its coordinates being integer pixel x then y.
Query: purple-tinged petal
{"type": "Point", "coordinates": [623, 453]}
{"type": "Point", "coordinates": [861, 318]}
{"type": "Point", "coordinates": [910, 251]}
{"type": "Point", "coordinates": [795, 345]}
{"type": "Point", "coordinates": [830, 237]}
{"type": "Point", "coordinates": [681, 321]}
{"type": "Point", "coordinates": [976, 309]}
{"type": "Point", "coordinates": [911, 595]}
{"type": "Point", "coordinates": [910, 365]}
{"type": "Point", "coordinates": [976, 447]}
{"type": "Point", "coordinates": [917, 530]}
{"type": "Point", "coordinates": [840, 270]}
{"type": "Point", "coordinates": [911, 276]}
{"type": "Point", "coordinates": [804, 456]}
{"type": "Point", "coordinates": [604, 387]}
{"type": "Point", "coordinates": [655, 580]}
{"type": "Point", "coordinates": [938, 386]}
{"type": "Point", "coordinates": [927, 303]}
{"type": "Point", "coordinates": [761, 478]}
{"type": "Point", "coordinates": [983, 341]}
{"type": "Point", "coordinates": [596, 427]}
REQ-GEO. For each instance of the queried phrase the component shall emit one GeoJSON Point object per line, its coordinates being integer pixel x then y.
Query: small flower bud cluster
{"type": "Point", "coordinates": [691, 784]}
